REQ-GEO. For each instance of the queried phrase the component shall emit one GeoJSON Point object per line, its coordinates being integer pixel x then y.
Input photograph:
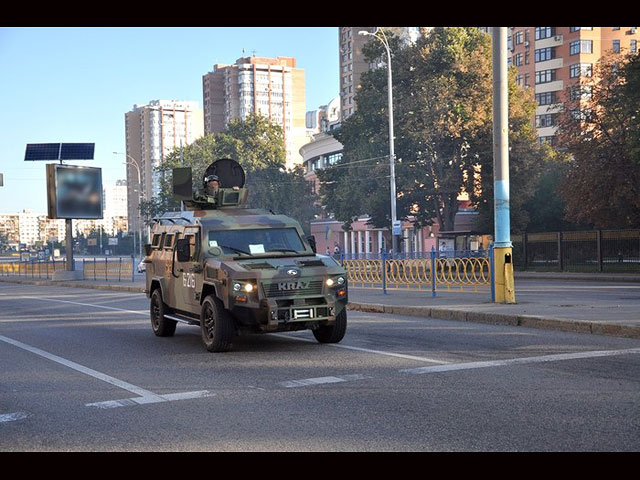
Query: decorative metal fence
{"type": "Point", "coordinates": [33, 268]}
{"type": "Point", "coordinates": [420, 271]}
{"type": "Point", "coordinates": [582, 251]}
{"type": "Point", "coordinates": [117, 269]}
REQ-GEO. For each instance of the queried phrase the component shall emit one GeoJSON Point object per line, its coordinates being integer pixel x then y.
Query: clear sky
{"type": "Point", "coordinates": [63, 84]}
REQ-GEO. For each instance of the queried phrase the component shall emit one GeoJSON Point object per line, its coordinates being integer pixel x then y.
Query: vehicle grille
{"type": "Point", "coordinates": [273, 290]}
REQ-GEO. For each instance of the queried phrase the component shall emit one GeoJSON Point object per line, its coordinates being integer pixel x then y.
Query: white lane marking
{"type": "Point", "coordinates": [367, 350]}
{"type": "Point", "coordinates": [144, 396]}
{"type": "Point", "coordinates": [88, 305]}
{"type": "Point", "coordinates": [321, 380]}
{"type": "Point", "coordinates": [146, 400]}
{"type": "Point", "coordinates": [519, 361]}
{"type": "Point", "coordinates": [12, 417]}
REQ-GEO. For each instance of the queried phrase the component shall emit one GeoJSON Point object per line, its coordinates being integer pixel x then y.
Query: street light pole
{"type": "Point", "coordinates": [392, 156]}
{"type": "Point", "coordinates": [134, 163]}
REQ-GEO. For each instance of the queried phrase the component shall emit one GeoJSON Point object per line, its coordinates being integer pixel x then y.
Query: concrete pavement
{"type": "Point", "coordinates": [586, 303]}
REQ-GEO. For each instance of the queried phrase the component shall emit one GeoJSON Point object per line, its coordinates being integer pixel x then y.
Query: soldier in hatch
{"type": "Point", "coordinates": [211, 185]}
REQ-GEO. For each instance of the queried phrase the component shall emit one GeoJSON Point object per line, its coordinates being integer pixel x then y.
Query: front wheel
{"type": "Point", "coordinates": [162, 326]}
{"type": "Point", "coordinates": [216, 326]}
{"type": "Point", "coordinates": [332, 333]}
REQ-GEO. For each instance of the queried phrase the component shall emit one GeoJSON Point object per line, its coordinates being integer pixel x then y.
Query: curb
{"type": "Point", "coordinates": [514, 320]}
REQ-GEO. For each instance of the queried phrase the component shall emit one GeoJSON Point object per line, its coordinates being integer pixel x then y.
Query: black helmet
{"type": "Point", "coordinates": [211, 178]}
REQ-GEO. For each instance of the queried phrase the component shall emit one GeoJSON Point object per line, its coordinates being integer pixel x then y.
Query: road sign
{"type": "Point", "coordinates": [397, 227]}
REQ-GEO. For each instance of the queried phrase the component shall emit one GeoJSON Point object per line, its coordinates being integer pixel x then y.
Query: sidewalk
{"type": "Point", "coordinates": [586, 303]}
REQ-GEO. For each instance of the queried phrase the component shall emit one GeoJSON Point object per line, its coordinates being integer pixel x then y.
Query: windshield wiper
{"type": "Point", "coordinates": [236, 249]}
{"type": "Point", "coordinates": [283, 250]}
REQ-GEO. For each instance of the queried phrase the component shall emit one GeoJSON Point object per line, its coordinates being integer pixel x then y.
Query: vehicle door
{"type": "Point", "coordinates": [189, 271]}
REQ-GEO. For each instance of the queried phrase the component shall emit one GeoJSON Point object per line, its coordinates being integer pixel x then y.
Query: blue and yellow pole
{"type": "Point", "coordinates": [503, 254]}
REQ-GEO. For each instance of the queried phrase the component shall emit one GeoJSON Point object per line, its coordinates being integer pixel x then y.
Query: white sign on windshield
{"type": "Point", "coordinates": [258, 248]}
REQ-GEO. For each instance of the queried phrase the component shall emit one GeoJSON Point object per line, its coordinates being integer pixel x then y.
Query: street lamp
{"type": "Point", "coordinates": [392, 156]}
{"type": "Point", "coordinates": [135, 164]}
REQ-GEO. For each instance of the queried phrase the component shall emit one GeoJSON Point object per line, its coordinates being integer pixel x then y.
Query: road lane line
{"type": "Point", "coordinates": [519, 361]}
{"type": "Point", "coordinates": [321, 380]}
{"type": "Point", "coordinates": [127, 402]}
{"type": "Point", "coordinates": [366, 350]}
{"type": "Point", "coordinates": [144, 396]}
{"type": "Point", "coordinates": [88, 305]}
{"type": "Point", "coordinates": [12, 417]}
{"type": "Point", "coordinates": [80, 368]}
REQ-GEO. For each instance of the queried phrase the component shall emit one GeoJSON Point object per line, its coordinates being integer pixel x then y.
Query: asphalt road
{"type": "Point", "coordinates": [82, 371]}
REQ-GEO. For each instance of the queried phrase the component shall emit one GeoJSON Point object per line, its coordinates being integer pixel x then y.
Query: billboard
{"type": "Point", "coordinates": [74, 192]}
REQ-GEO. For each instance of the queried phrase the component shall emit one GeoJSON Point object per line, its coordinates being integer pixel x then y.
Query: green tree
{"type": "Point", "coordinates": [258, 146]}
{"type": "Point", "coordinates": [599, 129]}
{"type": "Point", "coordinates": [443, 125]}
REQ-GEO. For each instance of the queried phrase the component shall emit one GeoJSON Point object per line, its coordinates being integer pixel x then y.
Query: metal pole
{"type": "Point", "coordinates": [392, 156]}
{"type": "Point", "coordinates": [503, 249]}
{"type": "Point", "coordinates": [69, 244]}
{"type": "Point", "coordinates": [501, 138]}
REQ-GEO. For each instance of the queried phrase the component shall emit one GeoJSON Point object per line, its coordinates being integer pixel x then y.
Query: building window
{"type": "Point", "coordinates": [551, 140]}
{"type": "Point", "coordinates": [581, 92]}
{"type": "Point", "coordinates": [543, 54]}
{"type": "Point", "coordinates": [546, 120]}
{"type": "Point", "coordinates": [581, 46]}
{"type": "Point", "coordinates": [517, 60]}
{"type": "Point", "coordinates": [334, 158]}
{"type": "Point", "coordinates": [616, 46]}
{"type": "Point", "coordinates": [519, 37]}
{"type": "Point", "coordinates": [581, 70]}
{"type": "Point", "coordinates": [577, 29]}
{"type": "Point", "coordinates": [547, 98]}
{"type": "Point", "coordinates": [544, 32]}
{"type": "Point", "coordinates": [545, 76]}
{"type": "Point", "coordinates": [633, 46]}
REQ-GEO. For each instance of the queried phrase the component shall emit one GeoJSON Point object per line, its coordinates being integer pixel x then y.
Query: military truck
{"type": "Point", "coordinates": [234, 270]}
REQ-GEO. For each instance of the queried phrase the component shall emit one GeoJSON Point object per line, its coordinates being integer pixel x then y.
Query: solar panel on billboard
{"type": "Point", "coordinates": [59, 151]}
{"type": "Point", "coordinates": [77, 151]}
{"type": "Point", "coordinates": [42, 151]}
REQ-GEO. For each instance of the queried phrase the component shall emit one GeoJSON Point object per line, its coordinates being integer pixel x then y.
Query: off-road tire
{"type": "Point", "coordinates": [162, 326]}
{"type": "Point", "coordinates": [332, 333]}
{"type": "Point", "coordinates": [216, 325]}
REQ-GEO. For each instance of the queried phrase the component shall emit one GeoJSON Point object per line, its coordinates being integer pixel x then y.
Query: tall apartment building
{"type": "Point", "coordinates": [152, 131]}
{"type": "Point", "coordinates": [272, 87]}
{"type": "Point", "coordinates": [550, 59]}
{"type": "Point", "coordinates": [115, 208]}
{"type": "Point", "coordinates": [353, 64]}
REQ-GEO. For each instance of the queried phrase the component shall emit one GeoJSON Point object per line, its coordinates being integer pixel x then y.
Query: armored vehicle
{"type": "Point", "coordinates": [234, 270]}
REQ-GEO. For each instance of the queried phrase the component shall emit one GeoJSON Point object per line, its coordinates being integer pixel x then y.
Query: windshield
{"type": "Point", "coordinates": [257, 241]}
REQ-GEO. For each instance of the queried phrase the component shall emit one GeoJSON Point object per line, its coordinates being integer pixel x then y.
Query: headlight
{"type": "Point", "coordinates": [340, 280]}
{"type": "Point", "coordinates": [329, 282]}
{"type": "Point", "coordinates": [246, 287]}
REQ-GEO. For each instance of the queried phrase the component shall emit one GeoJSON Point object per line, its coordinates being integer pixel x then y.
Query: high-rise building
{"type": "Point", "coordinates": [272, 87]}
{"type": "Point", "coordinates": [353, 64]}
{"type": "Point", "coordinates": [550, 59]}
{"type": "Point", "coordinates": [153, 131]}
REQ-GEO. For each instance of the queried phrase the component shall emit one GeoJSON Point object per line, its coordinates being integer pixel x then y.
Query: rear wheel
{"type": "Point", "coordinates": [162, 327]}
{"type": "Point", "coordinates": [216, 325]}
{"type": "Point", "coordinates": [332, 333]}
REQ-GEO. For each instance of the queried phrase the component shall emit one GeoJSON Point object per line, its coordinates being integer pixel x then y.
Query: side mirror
{"type": "Point", "coordinates": [147, 249]}
{"type": "Point", "coordinates": [182, 249]}
{"type": "Point", "coordinates": [312, 241]}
